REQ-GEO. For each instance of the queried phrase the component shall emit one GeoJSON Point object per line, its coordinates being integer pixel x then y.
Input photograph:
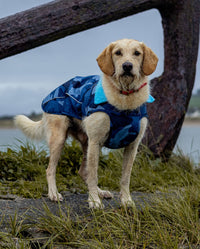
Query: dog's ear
{"type": "Point", "coordinates": [150, 60]}
{"type": "Point", "coordinates": [105, 61]}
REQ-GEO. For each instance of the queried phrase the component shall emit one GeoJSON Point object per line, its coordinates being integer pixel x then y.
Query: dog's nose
{"type": "Point", "coordinates": [127, 66]}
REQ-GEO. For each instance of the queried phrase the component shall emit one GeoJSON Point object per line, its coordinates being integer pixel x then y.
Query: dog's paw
{"type": "Point", "coordinates": [128, 204]}
{"type": "Point", "coordinates": [95, 203]}
{"type": "Point", "coordinates": [126, 201]}
{"type": "Point", "coordinates": [104, 194]}
{"type": "Point", "coordinates": [55, 197]}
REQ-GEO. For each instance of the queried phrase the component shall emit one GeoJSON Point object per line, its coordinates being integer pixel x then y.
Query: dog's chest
{"type": "Point", "coordinates": [124, 127]}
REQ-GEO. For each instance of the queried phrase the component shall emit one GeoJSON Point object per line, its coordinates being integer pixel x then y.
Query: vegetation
{"type": "Point", "coordinates": [194, 104]}
{"type": "Point", "coordinates": [195, 101]}
{"type": "Point", "coordinates": [171, 221]}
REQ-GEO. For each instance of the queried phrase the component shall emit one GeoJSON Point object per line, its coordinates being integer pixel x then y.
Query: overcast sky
{"type": "Point", "coordinates": [26, 78]}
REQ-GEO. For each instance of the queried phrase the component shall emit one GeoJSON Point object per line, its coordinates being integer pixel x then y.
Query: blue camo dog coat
{"type": "Point", "coordinates": [82, 96]}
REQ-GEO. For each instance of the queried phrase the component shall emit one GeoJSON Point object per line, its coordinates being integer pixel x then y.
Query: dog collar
{"type": "Point", "coordinates": [100, 96]}
{"type": "Point", "coordinates": [133, 90]}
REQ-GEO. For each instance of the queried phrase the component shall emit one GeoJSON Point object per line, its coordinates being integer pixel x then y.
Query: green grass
{"type": "Point", "coordinates": [23, 171]}
{"type": "Point", "coordinates": [171, 221]}
{"type": "Point", "coordinates": [167, 225]}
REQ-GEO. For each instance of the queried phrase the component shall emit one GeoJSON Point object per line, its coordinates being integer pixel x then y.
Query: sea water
{"type": "Point", "coordinates": [188, 141]}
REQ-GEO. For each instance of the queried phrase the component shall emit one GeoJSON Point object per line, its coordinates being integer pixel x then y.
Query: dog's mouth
{"type": "Point", "coordinates": [126, 81]}
{"type": "Point", "coordinates": [128, 74]}
{"type": "Point", "coordinates": [127, 77]}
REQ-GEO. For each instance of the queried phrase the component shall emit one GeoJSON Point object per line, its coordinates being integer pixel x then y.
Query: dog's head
{"type": "Point", "coordinates": [127, 61]}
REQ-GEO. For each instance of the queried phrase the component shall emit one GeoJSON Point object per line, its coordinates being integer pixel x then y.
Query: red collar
{"type": "Point", "coordinates": [133, 91]}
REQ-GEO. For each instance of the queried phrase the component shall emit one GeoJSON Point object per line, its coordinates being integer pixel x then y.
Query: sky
{"type": "Point", "coordinates": [27, 78]}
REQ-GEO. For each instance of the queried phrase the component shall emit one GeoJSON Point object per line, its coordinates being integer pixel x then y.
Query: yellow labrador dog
{"type": "Point", "coordinates": [98, 111]}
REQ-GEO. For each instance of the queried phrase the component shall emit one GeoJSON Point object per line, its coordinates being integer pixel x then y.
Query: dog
{"type": "Point", "coordinates": [98, 111]}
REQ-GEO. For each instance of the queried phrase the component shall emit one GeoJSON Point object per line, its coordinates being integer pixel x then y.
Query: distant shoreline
{"type": "Point", "coordinates": [194, 121]}
{"type": "Point", "coordinates": [9, 123]}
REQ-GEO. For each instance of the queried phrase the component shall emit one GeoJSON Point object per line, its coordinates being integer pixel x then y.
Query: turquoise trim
{"type": "Point", "coordinates": [100, 96]}
{"type": "Point", "coordinates": [150, 99]}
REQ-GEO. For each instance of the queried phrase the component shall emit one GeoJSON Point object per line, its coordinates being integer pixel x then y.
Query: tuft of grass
{"type": "Point", "coordinates": [26, 163]}
{"type": "Point", "coordinates": [60, 227]}
{"type": "Point", "coordinates": [13, 236]}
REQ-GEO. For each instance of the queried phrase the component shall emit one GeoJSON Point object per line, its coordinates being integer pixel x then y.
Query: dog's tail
{"type": "Point", "coordinates": [32, 129]}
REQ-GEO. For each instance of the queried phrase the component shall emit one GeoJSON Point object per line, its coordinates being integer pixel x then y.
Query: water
{"type": "Point", "coordinates": [13, 138]}
{"type": "Point", "coordinates": [188, 142]}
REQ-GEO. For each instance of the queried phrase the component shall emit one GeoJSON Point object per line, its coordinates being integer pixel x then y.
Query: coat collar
{"type": "Point", "coordinates": [100, 96]}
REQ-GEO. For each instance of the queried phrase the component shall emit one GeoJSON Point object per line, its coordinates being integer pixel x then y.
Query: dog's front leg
{"type": "Point", "coordinates": [129, 156]}
{"type": "Point", "coordinates": [97, 127]}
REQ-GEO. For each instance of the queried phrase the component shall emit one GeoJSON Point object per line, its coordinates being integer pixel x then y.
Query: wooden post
{"type": "Point", "coordinates": [173, 89]}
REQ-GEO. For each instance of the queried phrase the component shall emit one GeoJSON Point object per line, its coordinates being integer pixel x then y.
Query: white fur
{"type": "Point", "coordinates": [33, 130]}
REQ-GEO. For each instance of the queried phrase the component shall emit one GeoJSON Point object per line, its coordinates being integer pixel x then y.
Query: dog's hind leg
{"type": "Point", "coordinates": [83, 171]}
{"type": "Point", "coordinates": [76, 131]}
{"type": "Point", "coordinates": [57, 127]}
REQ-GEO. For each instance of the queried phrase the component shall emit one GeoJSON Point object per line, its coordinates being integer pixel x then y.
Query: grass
{"type": "Point", "coordinates": [171, 221]}
{"type": "Point", "coordinates": [23, 171]}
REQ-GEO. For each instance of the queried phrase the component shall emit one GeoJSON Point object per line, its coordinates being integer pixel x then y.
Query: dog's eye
{"type": "Point", "coordinates": [137, 53]}
{"type": "Point", "coordinates": [118, 52]}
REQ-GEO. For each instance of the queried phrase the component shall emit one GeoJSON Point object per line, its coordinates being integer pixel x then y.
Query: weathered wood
{"type": "Point", "coordinates": [60, 18]}
{"type": "Point", "coordinates": [172, 89]}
